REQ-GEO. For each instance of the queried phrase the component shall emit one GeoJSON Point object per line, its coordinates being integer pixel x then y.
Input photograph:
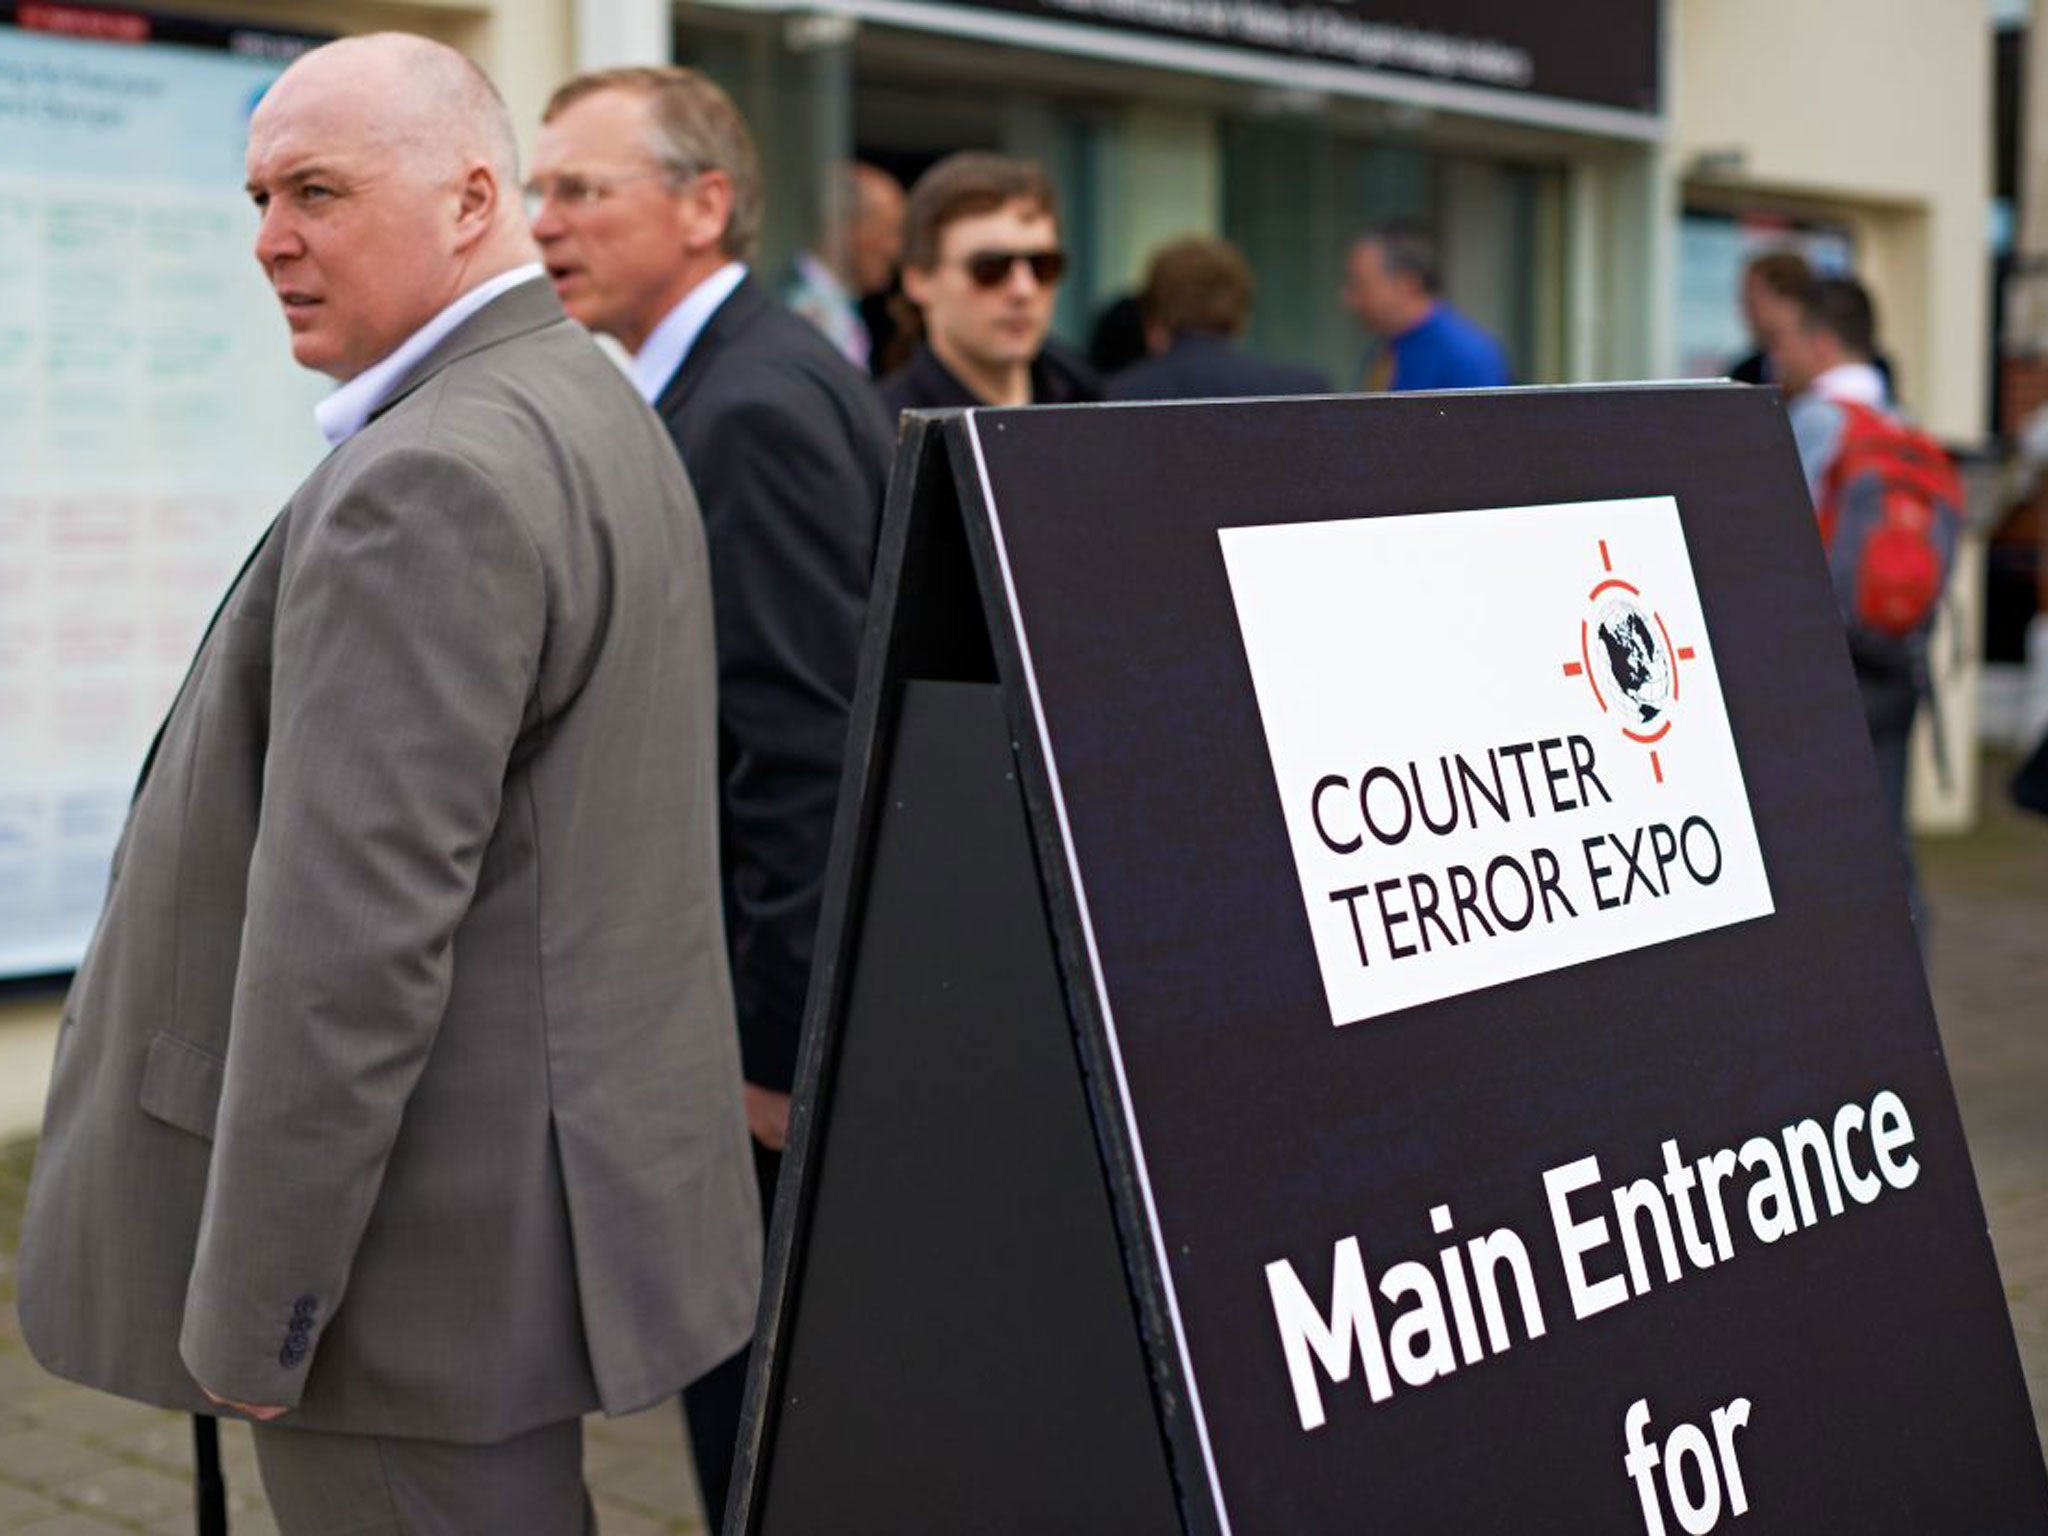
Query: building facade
{"type": "Point", "coordinates": [1595, 169]}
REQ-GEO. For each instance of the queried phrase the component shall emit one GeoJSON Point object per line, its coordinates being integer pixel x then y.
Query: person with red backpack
{"type": "Point", "coordinates": [1889, 503]}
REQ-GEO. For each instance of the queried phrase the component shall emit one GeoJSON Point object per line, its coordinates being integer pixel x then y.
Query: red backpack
{"type": "Point", "coordinates": [1891, 510]}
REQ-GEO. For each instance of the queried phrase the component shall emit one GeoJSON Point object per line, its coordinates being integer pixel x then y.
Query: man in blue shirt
{"type": "Point", "coordinates": [1390, 282]}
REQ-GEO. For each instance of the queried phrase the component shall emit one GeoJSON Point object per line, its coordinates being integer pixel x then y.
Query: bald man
{"type": "Point", "coordinates": [397, 1102]}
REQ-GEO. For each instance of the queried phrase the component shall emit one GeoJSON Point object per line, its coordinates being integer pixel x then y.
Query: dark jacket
{"type": "Point", "coordinates": [788, 454]}
{"type": "Point", "coordinates": [924, 383]}
{"type": "Point", "coordinates": [1198, 367]}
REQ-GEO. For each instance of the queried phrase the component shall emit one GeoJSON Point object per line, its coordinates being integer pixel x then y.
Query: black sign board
{"type": "Point", "coordinates": [1365, 987]}
{"type": "Point", "coordinates": [121, 24]}
{"type": "Point", "coordinates": [1593, 53]}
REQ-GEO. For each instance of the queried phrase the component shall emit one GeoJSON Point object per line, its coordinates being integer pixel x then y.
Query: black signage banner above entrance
{"type": "Point", "coordinates": [1367, 985]}
{"type": "Point", "coordinates": [1593, 53]}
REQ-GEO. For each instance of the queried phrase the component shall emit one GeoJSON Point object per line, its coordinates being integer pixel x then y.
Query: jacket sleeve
{"type": "Point", "coordinates": [791, 492]}
{"type": "Point", "coordinates": [405, 648]}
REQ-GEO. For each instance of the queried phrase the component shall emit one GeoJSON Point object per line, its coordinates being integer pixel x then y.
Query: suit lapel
{"type": "Point", "coordinates": [156, 741]}
{"type": "Point", "coordinates": [739, 311]}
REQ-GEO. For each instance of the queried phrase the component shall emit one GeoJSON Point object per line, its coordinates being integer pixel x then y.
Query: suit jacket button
{"type": "Point", "coordinates": [305, 1306]}
{"type": "Point", "coordinates": [293, 1353]}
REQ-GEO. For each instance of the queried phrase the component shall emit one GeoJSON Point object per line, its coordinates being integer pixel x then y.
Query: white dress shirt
{"type": "Point", "coordinates": [663, 352]}
{"type": "Point", "coordinates": [345, 412]}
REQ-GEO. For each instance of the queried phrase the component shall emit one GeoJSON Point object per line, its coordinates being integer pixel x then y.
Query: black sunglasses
{"type": "Point", "coordinates": [991, 269]}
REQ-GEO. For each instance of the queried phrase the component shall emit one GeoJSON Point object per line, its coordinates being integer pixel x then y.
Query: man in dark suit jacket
{"type": "Point", "coordinates": [1196, 302]}
{"type": "Point", "coordinates": [397, 1105]}
{"type": "Point", "coordinates": [646, 199]}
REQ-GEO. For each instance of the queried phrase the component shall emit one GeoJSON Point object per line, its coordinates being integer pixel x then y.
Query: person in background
{"type": "Point", "coordinates": [1117, 339]}
{"type": "Point", "coordinates": [853, 259]}
{"type": "Point", "coordinates": [1770, 293]}
{"type": "Point", "coordinates": [1392, 281]}
{"type": "Point", "coordinates": [1774, 289]}
{"type": "Point", "coordinates": [646, 198]}
{"type": "Point", "coordinates": [398, 1104]}
{"type": "Point", "coordinates": [1196, 302]}
{"type": "Point", "coordinates": [1823, 355]}
{"type": "Point", "coordinates": [982, 265]}
{"type": "Point", "coordinates": [1823, 359]}
{"type": "Point", "coordinates": [2021, 538]}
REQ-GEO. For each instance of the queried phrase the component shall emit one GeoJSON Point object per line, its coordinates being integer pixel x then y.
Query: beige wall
{"type": "Point", "coordinates": [1166, 180]}
{"type": "Point", "coordinates": [1874, 112]}
{"type": "Point", "coordinates": [2026, 317]}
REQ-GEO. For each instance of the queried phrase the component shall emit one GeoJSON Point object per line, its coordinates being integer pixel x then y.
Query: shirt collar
{"type": "Point", "coordinates": [1852, 383]}
{"type": "Point", "coordinates": [1428, 317]}
{"type": "Point", "coordinates": [663, 352]}
{"type": "Point", "coordinates": [345, 412]}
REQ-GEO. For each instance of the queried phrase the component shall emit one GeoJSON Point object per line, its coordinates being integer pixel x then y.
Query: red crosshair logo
{"type": "Point", "coordinates": [1626, 642]}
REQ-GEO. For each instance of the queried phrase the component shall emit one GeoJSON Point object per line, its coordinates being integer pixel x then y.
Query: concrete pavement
{"type": "Point", "coordinates": [1988, 968]}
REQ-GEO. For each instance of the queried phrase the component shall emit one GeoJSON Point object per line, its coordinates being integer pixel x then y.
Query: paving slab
{"type": "Point", "coordinates": [18, 1507]}
{"type": "Point", "coordinates": [71, 1523]}
{"type": "Point", "coordinates": [132, 1492]}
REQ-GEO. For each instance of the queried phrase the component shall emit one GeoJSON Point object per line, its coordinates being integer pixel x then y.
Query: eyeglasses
{"type": "Point", "coordinates": [571, 190]}
{"type": "Point", "coordinates": [991, 269]}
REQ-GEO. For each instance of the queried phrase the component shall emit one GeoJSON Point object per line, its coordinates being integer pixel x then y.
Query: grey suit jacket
{"type": "Point", "coordinates": [400, 1082]}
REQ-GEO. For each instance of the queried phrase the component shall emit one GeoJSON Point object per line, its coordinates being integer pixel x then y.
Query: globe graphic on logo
{"type": "Point", "coordinates": [1638, 665]}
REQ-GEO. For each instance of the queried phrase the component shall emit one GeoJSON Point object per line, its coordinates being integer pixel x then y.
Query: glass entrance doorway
{"type": "Point", "coordinates": [1141, 155]}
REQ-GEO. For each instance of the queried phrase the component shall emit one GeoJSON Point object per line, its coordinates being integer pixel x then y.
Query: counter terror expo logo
{"type": "Point", "coordinates": [1625, 641]}
{"type": "Point", "coordinates": [1452, 840]}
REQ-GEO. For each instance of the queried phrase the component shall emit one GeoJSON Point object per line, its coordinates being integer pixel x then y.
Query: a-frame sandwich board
{"type": "Point", "coordinates": [956, 1347]}
{"type": "Point", "coordinates": [1364, 986]}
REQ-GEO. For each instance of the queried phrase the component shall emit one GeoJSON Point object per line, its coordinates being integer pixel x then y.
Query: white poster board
{"type": "Point", "coordinates": [151, 423]}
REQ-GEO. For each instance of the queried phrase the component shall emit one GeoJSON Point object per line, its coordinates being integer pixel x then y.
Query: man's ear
{"type": "Point", "coordinates": [476, 207]}
{"type": "Point", "coordinates": [706, 210]}
{"type": "Point", "coordinates": [917, 285]}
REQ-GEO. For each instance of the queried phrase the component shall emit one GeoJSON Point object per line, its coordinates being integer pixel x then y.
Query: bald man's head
{"type": "Point", "coordinates": [415, 97]}
{"type": "Point", "coordinates": [386, 172]}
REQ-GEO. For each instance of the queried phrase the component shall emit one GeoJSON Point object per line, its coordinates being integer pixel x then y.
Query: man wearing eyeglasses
{"type": "Point", "coordinates": [982, 263]}
{"type": "Point", "coordinates": [645, 196]}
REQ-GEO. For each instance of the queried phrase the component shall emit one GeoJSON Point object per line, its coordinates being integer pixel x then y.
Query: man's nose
{"type": "Point", "coordinates": [276, 237]}
{"type": "Point", "coordinates": [544, 216]}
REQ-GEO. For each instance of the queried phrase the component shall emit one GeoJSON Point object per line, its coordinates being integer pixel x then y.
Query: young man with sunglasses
{"type": "Point", "coordinates": [982, 263]}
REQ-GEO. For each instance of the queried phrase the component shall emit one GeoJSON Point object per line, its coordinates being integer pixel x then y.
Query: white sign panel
{"type": "Point", "coordinates": [1499, 742]}
{"type": "Point", "coordinates": [151, 423]}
